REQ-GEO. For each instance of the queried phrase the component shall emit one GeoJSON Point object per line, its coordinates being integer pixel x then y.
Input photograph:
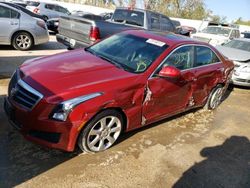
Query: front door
{"type": "Point", "coordinates": [167, 96]}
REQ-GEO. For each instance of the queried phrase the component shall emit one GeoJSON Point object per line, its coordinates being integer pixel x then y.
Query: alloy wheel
{"type": "Point", "coordinates": [104, 133]}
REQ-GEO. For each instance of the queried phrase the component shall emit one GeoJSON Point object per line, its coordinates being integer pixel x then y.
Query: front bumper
{"type": "Point", "coordinates": [71, 43]}
{"type": "Point", "coordinates": [242, 80]}
{"type": "Point", "coordinates": [37, 128]}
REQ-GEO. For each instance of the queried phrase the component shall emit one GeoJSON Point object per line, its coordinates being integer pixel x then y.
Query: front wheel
{"type": "Point", "coordinates": [214, 98]}
{"type": "Point", "coordinates": [101, 132]}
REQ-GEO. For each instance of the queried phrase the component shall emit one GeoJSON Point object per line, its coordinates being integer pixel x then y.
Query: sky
{"type": "Point", "coordinates": [232, 9]}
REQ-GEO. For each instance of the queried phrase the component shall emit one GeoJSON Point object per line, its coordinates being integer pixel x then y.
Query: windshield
{"type": "Point", "coordinates": [237, 44]}
{"type": "Point", "coordinates": [129, 52]}
{"type": "Point", "coordinates": [129, 17]}
{"type": "Point", "coordinates": [217, 31]}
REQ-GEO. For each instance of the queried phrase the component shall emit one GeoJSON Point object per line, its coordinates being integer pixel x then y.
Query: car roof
{"type": "Point", "coordinates": [167, 37]}
{"type": "Point", "coordinates": [8, 6]}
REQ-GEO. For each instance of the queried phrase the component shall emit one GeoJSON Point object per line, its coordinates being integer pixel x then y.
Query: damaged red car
{"type": "Point", "coordinates": [91, 96]}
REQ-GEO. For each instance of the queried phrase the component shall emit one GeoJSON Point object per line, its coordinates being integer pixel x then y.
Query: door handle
{"type": "Point", "coordinates": [13, 23]}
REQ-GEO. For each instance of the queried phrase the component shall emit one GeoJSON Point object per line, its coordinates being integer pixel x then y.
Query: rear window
{"type": "Point", "coordinates": [32, 3]}
{"type": "Point", "coordinates": [121, 50]}
{"type": "Point", "coordinates": [129, 17]}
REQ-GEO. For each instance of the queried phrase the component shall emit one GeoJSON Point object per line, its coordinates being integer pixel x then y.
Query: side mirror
{"type": "Point", "coordinates": [170, 72]}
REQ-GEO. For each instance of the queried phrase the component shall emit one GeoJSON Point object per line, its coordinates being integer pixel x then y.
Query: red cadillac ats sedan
{"type": "Point", "coordinates": [129, 80]}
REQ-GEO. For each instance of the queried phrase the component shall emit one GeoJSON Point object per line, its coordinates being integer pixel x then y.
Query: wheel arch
{"type": "Point", "coordinates": [19, 31]}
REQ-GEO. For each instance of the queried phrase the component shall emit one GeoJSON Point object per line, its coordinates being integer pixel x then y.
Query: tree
{"type": "Point", "coordinates": [191, 9]}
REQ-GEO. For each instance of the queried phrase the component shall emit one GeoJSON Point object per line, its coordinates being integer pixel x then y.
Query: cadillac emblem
{"type": "Point", "coordinates": [13, 92]}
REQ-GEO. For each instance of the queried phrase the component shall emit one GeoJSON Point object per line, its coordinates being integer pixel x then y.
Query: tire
{"type": "Point", "coordinates": [101, 132]}
{"type": "Point", "coordinates": [45, 18]}
{"type": "Point", "coordinates": [215, 98]}
{"type": "Point", "coordinates": [22, 41]}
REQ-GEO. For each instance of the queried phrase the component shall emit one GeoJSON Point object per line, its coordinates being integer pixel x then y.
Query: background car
{"type": "Point", "coordinates": [246, 34]}
{"type": "Point", "coordinates": [238, 50]}
{"type": "Point", "coordinates": [48, 10]}
{"type": "Point", "coordinates": [216, 35]}
{"type": "Point", "coordinates": [122, 83]}
{"type": "Point", "coordinates": [21, 30]}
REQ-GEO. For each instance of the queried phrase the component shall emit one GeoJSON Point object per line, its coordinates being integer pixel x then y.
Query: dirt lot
{"type": "Point", "coordinates": [196, 149]}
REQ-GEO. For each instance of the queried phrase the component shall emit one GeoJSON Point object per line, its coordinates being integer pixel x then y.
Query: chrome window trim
{"type": "Point", "coordinates": [31, 90]}
{"type": "Point", "coordinates": [194, 45]}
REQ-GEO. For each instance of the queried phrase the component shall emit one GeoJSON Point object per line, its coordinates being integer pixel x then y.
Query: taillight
{"type": "Point", "coordinates": [36, 10]}
{"type": "Point", "coordinates": [41, 23]}
{"type": "Point", "coordinates": [94, 34]}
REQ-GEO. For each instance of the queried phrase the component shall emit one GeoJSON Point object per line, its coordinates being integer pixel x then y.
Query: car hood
{"type": "Point", "coordinates": [234, 54]}
{"type": "Point", "coordinates": [72, 74]}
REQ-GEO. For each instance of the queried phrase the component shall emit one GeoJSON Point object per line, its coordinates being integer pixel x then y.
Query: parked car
{"type": "Point", "coordinates": [76, 32]}
{"type": "Point", "coordinates": [124, 82]}
{"type": "Point", "coordinates": [48, 10]}
{"type": "Point", "coordinates": [238, 50]}
{"type": "Point", "coordinates": [217, 35]}
{"type": "Point", "coordinates": [24, 10]}
{"type": "Point", "coordinates": [20, 29]}
{"type": "Point", "coordinates": [246, 34]}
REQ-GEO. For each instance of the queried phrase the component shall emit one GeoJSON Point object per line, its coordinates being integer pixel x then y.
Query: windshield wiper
{"type": "Point", "coordinates": [110, 61]}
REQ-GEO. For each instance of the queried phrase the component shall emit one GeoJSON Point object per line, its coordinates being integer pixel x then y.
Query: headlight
{"type": "Point", "coordinates": [245, 69]}
{"type": "Point", "coordinates": [62, 111]}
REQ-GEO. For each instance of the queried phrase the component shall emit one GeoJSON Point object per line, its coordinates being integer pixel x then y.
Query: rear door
{"type": "Point", "coordinates": [208, 69]}
{"type": "Point", "coordinates": [9, 22]}
{"type": "Point", "coordinates": [166, 96]}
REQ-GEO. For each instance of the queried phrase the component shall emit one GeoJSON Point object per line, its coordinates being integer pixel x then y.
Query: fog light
{"type": "Point", "coordinates": [60, 116]}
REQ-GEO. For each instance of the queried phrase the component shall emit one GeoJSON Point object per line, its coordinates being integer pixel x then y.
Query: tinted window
{"type": "Point", "coordinates": [63, 10]}
{"type": "Point", "coordinates": [166, 24]}
{"type": "Point", "coordinates": [129, 16]}
{"type": "Point", "coordinates": [49, 6]}
{"type": "Point", "coordinates": [5, 12]}
{"type": "Point", "coordinates": [182, 58]}
{"type": "Point", "coordinates": [121, 50]}
{"type": "Point", "coordinates": [155, 21]}
{"type": "Point", "coordinates": [33, 3]}
{"type": "Point", "coordinates": [205, 56]}
{"type": "Point", "coordinates": [14, 14]}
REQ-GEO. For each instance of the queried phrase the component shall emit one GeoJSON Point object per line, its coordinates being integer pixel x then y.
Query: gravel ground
{"type": "Point", "coordinates": [193, 150]}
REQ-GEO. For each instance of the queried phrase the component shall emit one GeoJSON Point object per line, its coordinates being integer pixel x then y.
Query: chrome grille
{"type": "Point", "coordinates": [23, 94]}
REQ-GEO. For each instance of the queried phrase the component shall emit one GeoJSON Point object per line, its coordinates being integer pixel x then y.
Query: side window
{"type": "Point", "coordinates": [155, 21]}
{"type": "Point", "coordinates": [205, 56]}
{"type": "Point", "coordinates": [14, 14]}
{"type": "Point", "coordinates": [166, 24]}
{"type": "Point", "coordinates": [5, 12]}
{"type": "Point", "coordinates": [237, 34]}
{"type": "Point", "coordinates": [233, 34]}
{"type": "Point", "coordinates": [182, 58]}
{"type": "Point", "coordinates": [63, 10]}
{"type": "Point", "coordinates": [50, 7]}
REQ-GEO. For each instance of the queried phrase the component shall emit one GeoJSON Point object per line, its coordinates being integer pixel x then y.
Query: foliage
{"type": "Point", "coordinates": [242, 22]}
